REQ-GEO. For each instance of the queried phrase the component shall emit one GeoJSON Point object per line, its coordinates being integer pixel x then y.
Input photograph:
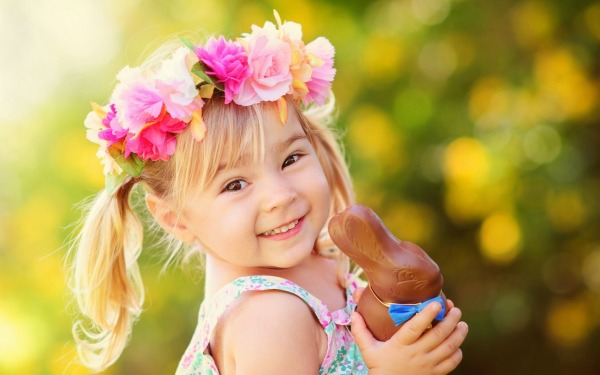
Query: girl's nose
{"type": "Point", "coordinates": [277, 192]}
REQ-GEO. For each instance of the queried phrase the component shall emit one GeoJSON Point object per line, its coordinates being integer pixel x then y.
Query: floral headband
{"type": "Point", "coordinates": [149, 107]}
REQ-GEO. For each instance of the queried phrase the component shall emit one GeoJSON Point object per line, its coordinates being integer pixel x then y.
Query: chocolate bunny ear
{"type": "Point", "coordinates": [359, 233]}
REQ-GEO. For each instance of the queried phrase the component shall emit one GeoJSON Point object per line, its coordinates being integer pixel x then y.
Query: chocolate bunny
{"type": "Point", "coordinates": [402, 277]}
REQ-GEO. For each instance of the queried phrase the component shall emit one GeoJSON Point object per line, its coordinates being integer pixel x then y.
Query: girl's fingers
{"type": "Point", "coordinates": [357, 293]}
{"type": "Point", "coordinates": [363, 337]}
{"type": "Point", "coordinates": [450, 363]}
{"type": "Point", "coordinates": [442, 330]}
{"type": "Point", "coordinates": [451, 344]}
{"type": "Point", "coordinates": [413, 329]}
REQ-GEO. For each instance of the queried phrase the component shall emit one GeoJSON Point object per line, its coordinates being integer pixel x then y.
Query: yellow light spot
{"type": "Point", "coordinates": [76, 158]}
{"type": "Point", "coordinates": [410, 221]}
{"type": "Point", "coordinates": [569, 322]}
{"type": "Point", "coordinates": [486, 97]}
{"type": "Point", "coordinates": [382, 59]}
{"type": "Point", "coordinates": [63, 361]}
{"type": "Point", "coordinates": [463, 204]}
{"type": "Point", "coordinates": [466, 162]}
{"type": "Point", "coordinates": [477, 184]}
{"type": "Point", "coordinates": [564, 85]}
{"type": "Point", "coordinates": [45, 270]}
{"type": "Point", "coordinates": [565, 209]}
{"type": "Point", "coordinates": [532, 23]}
{"type": "Point", "coordinates": [500, 238]}
{"type": "Point", "coordinates": [371, 134]}
{"type": "Point", "coordinates": [369, 193]}
{"type": "Point", "coordinates": [250, 13]}
{"type": "Point", "coordinates": [21, 341]}
{"type": "Point", "coordinates": [303, 12]}
{"type": "Point", "coordinates": [35, 224]}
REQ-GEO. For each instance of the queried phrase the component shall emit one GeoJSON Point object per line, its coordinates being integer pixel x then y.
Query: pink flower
{"type": "Point", "coordinates": [113, 133]}
{"type": "Point", "coordinates": [136, 99]}
{"type": "Point", "coordinates": [227, 62]}
{"type": "Point", "coordinates": [175, 85]}
{"type": "Point", "coordinates": [157, 140]}
{"type": "Point", "coordinates": [141, 95]}
{"type": "Point", "coordinates": [321, 52]}
{"type": "Point", "coordinates": [269, 61]}
{"type": "Point", "coordinates": [150, 107]}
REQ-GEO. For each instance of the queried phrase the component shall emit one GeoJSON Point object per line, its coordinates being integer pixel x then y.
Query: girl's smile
{"type": "Point", "coordinates": [285, 231]}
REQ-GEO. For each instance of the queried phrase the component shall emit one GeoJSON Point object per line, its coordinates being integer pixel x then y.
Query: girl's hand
{"type": "Point", "coordinates": [414, 349]}
{"type": "Point", "coordinates": [357, 293]}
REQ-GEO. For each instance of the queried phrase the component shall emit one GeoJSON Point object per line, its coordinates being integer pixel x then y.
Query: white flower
{"type": "Point", "coordinates": [176, 84]}
{"type": "Point", "coordinates": [93, 124]}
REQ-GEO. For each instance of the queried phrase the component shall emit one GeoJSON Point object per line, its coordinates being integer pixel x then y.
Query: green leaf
{"type": "Point", "coordinates": [132, 165]}
{"type": "Point", "coordinates": [198, 69]}
{"type": "Point", "coordinates": [188, 44]}
{"type": "Point", "coordinates": [113, 181]}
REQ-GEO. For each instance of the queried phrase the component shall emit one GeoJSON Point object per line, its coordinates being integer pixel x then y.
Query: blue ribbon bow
{"type": "Point", "coordinates": [400, 313]}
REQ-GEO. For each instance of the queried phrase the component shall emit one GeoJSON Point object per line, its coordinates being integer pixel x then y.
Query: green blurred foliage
{"type": "Point", "coordinates": [471, 127]}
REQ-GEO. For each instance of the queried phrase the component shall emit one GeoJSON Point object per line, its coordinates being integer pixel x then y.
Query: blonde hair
{"type": "Point", "coordinates": [106, 277]}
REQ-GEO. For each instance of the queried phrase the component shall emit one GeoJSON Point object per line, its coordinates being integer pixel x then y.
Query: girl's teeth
{"type": "Point", "coordinates": [282, 229]}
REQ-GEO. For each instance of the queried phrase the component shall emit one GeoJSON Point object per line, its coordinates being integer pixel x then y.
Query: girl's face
{"type": "Point", "coordinates": [265, 213]}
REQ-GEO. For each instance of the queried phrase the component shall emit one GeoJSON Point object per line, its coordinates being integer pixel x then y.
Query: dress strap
{"type": "Point", "coordinates": [213, 308]}
{"type": "Point", "coordinates": [342, 316]}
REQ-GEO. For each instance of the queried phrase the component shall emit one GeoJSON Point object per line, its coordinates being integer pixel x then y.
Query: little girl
{"type": "Point", "coordinates": [230, 141]}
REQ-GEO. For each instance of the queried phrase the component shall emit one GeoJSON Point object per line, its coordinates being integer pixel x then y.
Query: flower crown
{"type": "Point", "coordinates": [149, 107]}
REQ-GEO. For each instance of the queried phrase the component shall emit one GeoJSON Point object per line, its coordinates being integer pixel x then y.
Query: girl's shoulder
{"type": "Point", "coordinates": [269, 330]}
{"type": "Point", "coordinates": [267, 316]}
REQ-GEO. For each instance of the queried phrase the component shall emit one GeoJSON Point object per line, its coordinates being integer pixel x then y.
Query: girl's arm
{"type": "Point", "coordinates": [271, 332]}
{"type": "Point", "coordinates": [412, 350]}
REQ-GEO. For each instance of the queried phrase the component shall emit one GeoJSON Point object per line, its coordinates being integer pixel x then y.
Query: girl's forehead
{"type": "Point", "coordinates": [270, 136]}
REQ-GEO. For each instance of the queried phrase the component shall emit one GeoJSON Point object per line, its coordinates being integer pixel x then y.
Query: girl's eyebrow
{"type": "Point", "coordinates": [288, 142]}
{"type": "Point", "coordinates": [279, 148]}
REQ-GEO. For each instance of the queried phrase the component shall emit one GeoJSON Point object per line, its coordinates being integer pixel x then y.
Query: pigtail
{"type": "Point", "coordinates": [106, 278]}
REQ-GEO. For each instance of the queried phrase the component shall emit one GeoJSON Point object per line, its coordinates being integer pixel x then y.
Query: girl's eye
{"type": "Point", "coordinates": [291, 160]}
{"type": "Point", "coordinates": [235, 185]}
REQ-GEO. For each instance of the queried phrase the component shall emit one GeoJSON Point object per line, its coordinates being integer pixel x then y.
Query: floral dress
{"type": "Point", "coordinates": [342, 357]}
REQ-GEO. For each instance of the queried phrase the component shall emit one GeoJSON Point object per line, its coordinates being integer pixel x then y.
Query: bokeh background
{"type": "Point", "coordinates": [472, 128]}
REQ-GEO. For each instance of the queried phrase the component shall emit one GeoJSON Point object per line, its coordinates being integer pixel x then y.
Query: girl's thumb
{"type": "Point", "coordinates": [363, 337]}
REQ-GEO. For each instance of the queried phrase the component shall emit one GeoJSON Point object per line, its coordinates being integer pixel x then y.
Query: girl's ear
{"type": "Point", "coordinates": [168, 219]}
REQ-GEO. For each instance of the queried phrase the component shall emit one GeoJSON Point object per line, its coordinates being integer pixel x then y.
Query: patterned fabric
{"type": "Point", "coordinates": [342, 357]}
